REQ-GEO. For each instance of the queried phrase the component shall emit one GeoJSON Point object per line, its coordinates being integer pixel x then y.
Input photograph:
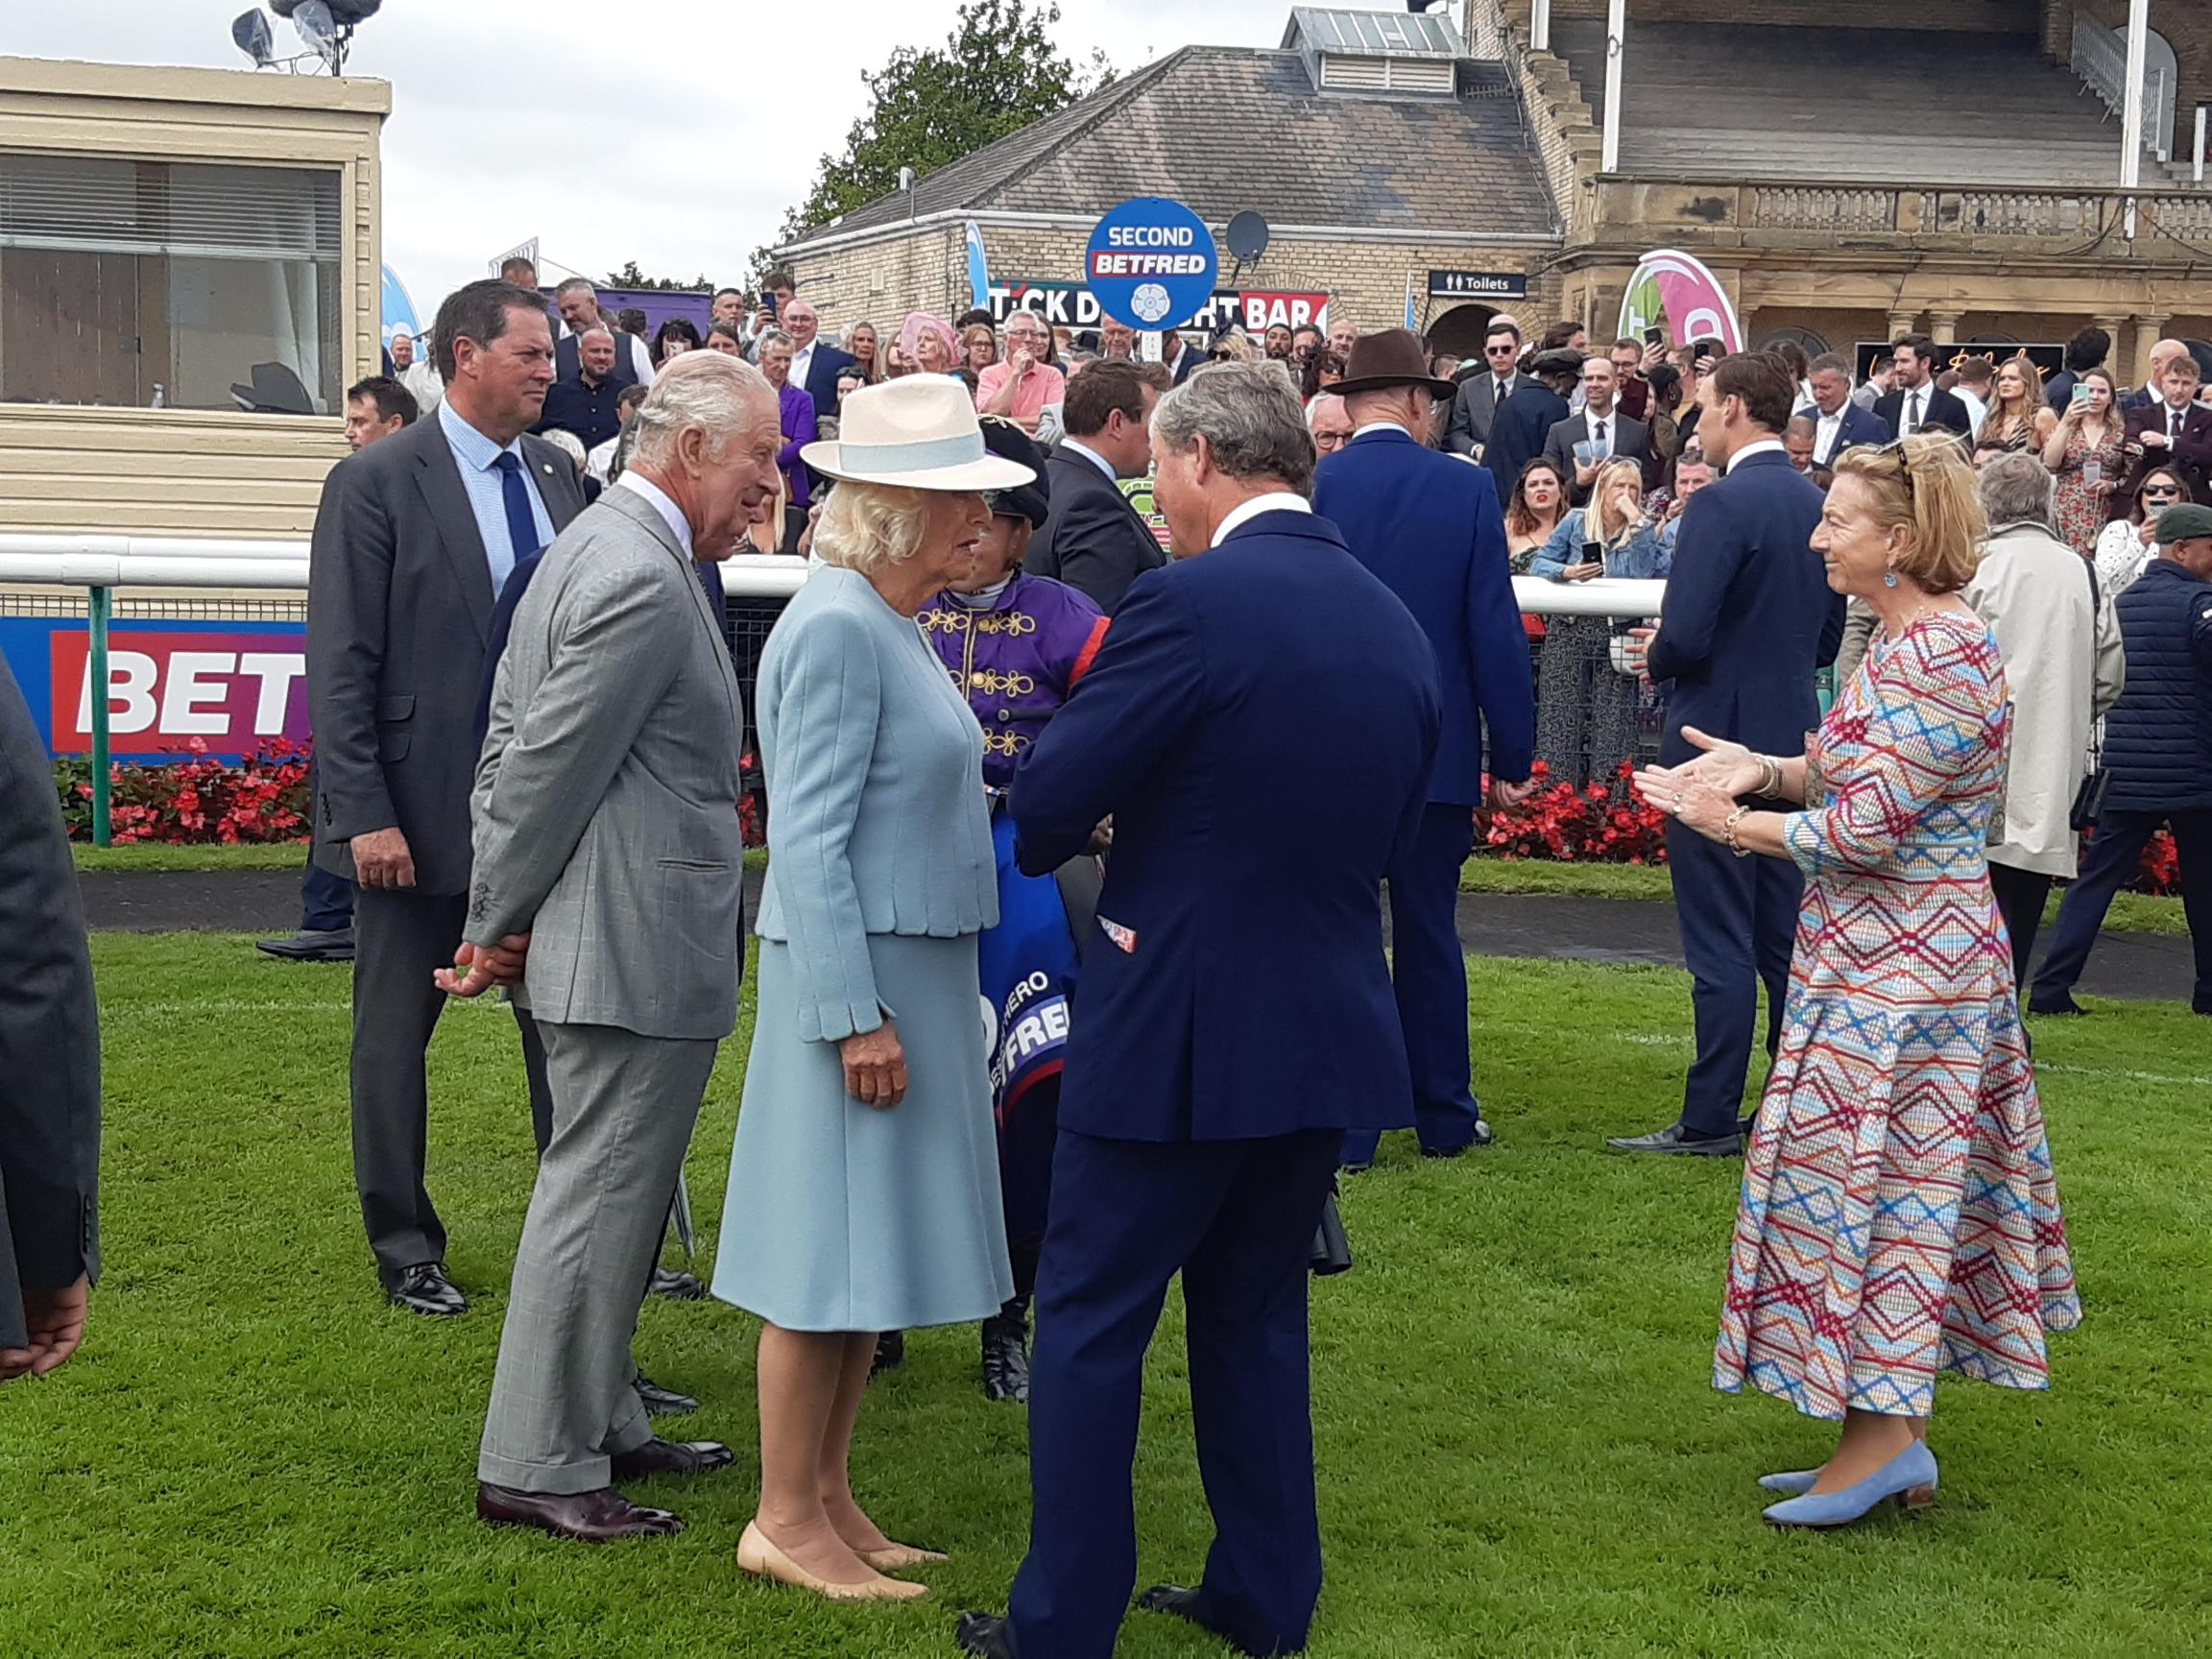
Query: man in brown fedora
{"type": "Point", "coordinates": [1429, 525]}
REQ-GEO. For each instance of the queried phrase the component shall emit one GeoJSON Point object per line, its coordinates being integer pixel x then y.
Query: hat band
{"type": "Point", "coordinates": [927, 455]}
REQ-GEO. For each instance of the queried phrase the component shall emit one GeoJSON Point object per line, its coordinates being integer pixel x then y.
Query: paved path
{"type": "Point", "coordinates": [2133, 967]}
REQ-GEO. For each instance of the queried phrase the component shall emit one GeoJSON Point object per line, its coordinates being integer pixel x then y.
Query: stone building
{"type": "Point", "coordinates": [1847, 176]}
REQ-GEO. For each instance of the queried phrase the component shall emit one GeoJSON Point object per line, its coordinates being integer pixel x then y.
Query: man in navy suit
{"type": "Point", "coordinates": [815, 363]}
{"type": "Point", "coordinates": [1522, 424]}
{"type": "Point", "coordinates": [1917, 401]}
{"type": "Point", "coordinates": [1260, 725]}
{"type": "Point", "coordinates": [1747, 621]}
{"type": "Point", "coordinates": [1429, 527]}
{"type": "Point", "coordinates": [1838, 424]}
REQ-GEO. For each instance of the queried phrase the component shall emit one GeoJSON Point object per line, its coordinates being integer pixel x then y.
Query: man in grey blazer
{"type": "Point", "coordinates": [607, 892]}
{"type": "Point", "coordinates": [414, 538]}
{"type": "Point", "coordinates": [1480, 394]}
{"type": "Point", "coordinates": [49, 1064]}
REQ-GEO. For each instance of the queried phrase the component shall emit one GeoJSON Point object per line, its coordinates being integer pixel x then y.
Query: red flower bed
{"type": "Point", "coordinates": [1570, 825]}
{"type": "Point", "coordinates": [263, 798]}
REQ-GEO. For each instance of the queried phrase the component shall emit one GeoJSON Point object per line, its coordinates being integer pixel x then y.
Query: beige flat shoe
{"type": "Point", "coordinates": [899, 1557]}
{"type": "Point", "coordinates": [759, 1558]}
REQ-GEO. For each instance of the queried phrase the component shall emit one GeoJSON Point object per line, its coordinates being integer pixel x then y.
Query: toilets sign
{"type": "Point", "coordinates": [1151, 263]}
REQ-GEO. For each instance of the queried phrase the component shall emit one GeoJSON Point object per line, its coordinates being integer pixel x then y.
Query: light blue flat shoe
{"type": "Point", "coordinates": [1793, 1484]}
{"type": "Point", "coordinates": [1909, 1477]}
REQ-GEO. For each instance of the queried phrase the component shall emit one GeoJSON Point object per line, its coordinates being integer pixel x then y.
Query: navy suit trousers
{"type": "Point", "coordinates": [1738, 919]}
{"type": "Point", "coordinates": [1237, 1220]}
{"type": "Point", "coordinates": [1429, 973]}
{"type": "Point", "coordinates": [326, 900]}
{"type": "Point", "coordinates": [2115, 851]}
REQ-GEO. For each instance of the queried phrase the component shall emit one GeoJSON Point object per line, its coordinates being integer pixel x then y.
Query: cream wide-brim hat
{"type": "Point", "coordinates": [919, 432]}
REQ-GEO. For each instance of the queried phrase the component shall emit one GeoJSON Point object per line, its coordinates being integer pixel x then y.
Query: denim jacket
{"type": "Point", "coordinates": [1647, 552]}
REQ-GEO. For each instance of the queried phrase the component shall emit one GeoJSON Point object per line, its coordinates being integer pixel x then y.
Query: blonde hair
{"type": "Point", "coordinates": [1598, 514]}
{"type": "Point", "coordinates": [1925, 486]}
{"type": "Point", "coordinates": [868, 527]}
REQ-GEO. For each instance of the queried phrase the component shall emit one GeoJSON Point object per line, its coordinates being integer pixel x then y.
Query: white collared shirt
{"type": "Point", "coordinates": [671, 515]}
{"type": "Point", "coordinates": [801, 362]}
{"type": "Point", "coordinates": [1906, 422]}
{"type": "Point", "coordinates": [1830, 428]}
{"type": "Point", "coordinates": [1758, 446]}
{"type": "Point", "coordinates": [1094, 457]}
{"type": "Point", "coordinates": [1602, 443]}
{"type": "Point", "coordinates": [1381, 427]}
{"type": "Point", "coordinates": [1274, 502]}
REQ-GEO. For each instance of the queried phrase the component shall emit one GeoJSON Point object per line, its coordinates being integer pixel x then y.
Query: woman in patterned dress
{"type": "Point", "coordinates": [1899, 1216]}
{"type": "Point", "coordinates": [2092, 434]}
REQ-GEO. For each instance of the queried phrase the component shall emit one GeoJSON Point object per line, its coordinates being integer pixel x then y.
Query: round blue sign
{"type": "Point", "coordinates": [1151, 263]}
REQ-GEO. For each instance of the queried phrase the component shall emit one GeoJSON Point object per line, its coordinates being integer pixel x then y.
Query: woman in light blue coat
{"type": "Point", "coordinates": [864, 1185]}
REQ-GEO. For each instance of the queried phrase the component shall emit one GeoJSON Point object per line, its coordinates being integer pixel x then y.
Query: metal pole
{"type": "Point", "coordinates": [2197, 163]}
{"type": "Point", "coordinates": [97, 613]}
{"type": "Point", "coordinates": [1615, 29]}
{"type": "Point", "coordinates": [2131, 106]}
{"type": "Point", "coordinates": [1540, 26]}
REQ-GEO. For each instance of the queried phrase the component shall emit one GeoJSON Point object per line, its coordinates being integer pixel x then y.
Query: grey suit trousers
{"type": "Point", "coordinates": [402, 937]}
{"type": "Point", "coordinates": [562, 1401]}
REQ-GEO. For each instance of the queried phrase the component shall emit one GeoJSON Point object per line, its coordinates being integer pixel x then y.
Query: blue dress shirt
{"type": "Point", "coordinates": [474, 454]}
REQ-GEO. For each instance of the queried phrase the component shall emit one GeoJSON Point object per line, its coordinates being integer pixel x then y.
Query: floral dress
{"type": "Point", "coordinates": [1899, 1216]}
{"type": "Point", "coordinates": [2083, 515]}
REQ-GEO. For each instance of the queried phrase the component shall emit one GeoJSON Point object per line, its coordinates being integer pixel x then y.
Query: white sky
{"type": "Point", "coordinates": [675, 132]}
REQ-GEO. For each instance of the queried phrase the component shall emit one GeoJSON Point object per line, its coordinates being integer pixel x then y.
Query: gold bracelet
{"type": "Point", "coordinates": [1728, 832]}
{"type": "Point", "coordinates": [1769, 774]}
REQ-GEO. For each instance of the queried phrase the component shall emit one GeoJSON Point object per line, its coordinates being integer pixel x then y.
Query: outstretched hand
{"type": "Point", "coordinates": [55, 1320]}
{"type": "Point", "coordinates": [1728, 766]}
{"type": "Point", "coordinates": [477, 968]}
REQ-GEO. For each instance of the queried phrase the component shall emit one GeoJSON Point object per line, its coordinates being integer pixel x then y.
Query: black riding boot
{"type": "Point", "coordinates": [1007, 1334]}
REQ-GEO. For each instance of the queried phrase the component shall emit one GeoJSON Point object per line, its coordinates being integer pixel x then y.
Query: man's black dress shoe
{"type": "Point", "coordinates": [311, 945]}
{"type": "Point", "coordinates": [2056, 1002]}
{"type": "Point", "coordinates": [588, 1517]}
{"type": "Point", "coordinates": [1673, 1140]}
{"type": "Point", "coordinates": [676, 1284]}
{"type": "Point", "coordinates": [984, 1633]}
{"type": "Point", "coordinates": [1187, 1605]}
{"type": "Point", "coordinates": [661, 1401]}
{"type": "Point", "coordinates": [658, 1457]}
{"type": "Point", "coordinates": [425, 1288]}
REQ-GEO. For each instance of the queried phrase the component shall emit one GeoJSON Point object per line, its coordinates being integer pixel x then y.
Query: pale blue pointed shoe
{"type": "Point", "coordinates": [1793, 1484]}
{"type": "Point", "coordinates": [1909, 1477]}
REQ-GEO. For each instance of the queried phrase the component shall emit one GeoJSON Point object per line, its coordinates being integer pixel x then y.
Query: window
{"type": "Point", "coordinates": [197, 286]}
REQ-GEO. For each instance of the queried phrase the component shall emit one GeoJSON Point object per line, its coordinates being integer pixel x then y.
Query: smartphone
{"type": "Point", "coordinates": [2081, 390]}
{"type": "Point", "coordinates": [1653, 335]}
{"type": "Point", "coordinates": [1594, 553]}
{"type": "Point", "coordinates": [768, 304]}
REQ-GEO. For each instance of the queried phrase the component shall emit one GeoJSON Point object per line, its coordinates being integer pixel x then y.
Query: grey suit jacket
{"type": "Point", "coordinates": [1631, 442]}
{"type": "Point", "coordinates": [1469, 426]}
{"type": "Point", "coordinates": [49, 1036]}
{"type": "Point", "coordinates": [606, 802]}
{"type": "Point", "coordinates": [398, 611]}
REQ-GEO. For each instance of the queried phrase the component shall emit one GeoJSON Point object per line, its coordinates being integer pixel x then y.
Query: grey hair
{"type": "Point", "coordinates": [576, 286]}
{"type": "Point", "coordinates": [2017, 489]}
{"type": "Point", "coordinates": [869, 527]}
{"type": "Point", "coordinates": [1249, 416]}
{"type": "Point", "coordinates": [707, 389]}
{"type": "Point", "coordinates": [567, 443]}
{"type": "Point", "coordinates": [775, 337]}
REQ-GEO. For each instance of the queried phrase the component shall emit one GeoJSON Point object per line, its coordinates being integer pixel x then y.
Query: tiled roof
{"type": "Point", "coordinates": [1224, 128]}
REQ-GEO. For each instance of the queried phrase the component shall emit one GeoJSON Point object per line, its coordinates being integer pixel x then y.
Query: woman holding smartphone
{"type": "Point", "coordinates": [2087, 452]}
{"type": "Point", "coordinates": [1586, 709]}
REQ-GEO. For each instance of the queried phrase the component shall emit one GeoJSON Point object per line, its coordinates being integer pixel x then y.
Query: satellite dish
{"type": "Point", "coordinates": [1249, 235]}
{"type": "Point", "coordinates": [344, 13]}
{"type": "Point", "coordinates": [319, 30]}
{"type": "Point", "coordinates": [251, 31]}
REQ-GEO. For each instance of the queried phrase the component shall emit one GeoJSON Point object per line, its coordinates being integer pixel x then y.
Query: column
{"type": "Point", "coordinates": [1616, 64]}
{"type": "Point", "coordinates": [1944, 326]}
{"type": "Point", "coordinates": [2149, 331]}
{"type": "Point", "coordinates": [1903, 323]}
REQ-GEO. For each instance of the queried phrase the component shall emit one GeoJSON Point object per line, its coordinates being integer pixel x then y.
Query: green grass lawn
{"type": "Point", "coordinates": [1518, 1450]}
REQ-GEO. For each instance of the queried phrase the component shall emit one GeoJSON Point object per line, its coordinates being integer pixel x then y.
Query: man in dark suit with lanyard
{"type": "Point", "coordinates": [413, 542]}
{"type": "Point", "coordinates": [1429, 528]}
{"type": "Point", "coordinates": [1232, 1025]}
{"type": "Point", "coordinates": [1747, 621]}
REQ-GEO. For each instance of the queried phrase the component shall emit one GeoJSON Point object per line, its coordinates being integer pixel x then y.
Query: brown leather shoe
{"type": "Point", "coordinates": [589, 1516]}
{"type": "Point", "coordinates": [658, 1457]}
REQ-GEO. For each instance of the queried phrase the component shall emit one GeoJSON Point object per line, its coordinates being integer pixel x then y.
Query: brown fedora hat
{"type": "Point", "coordinates": [1394, 358]}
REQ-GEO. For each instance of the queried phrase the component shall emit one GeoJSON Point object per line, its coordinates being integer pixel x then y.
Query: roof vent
{"type": "Point", "coordinates": [1396, 53]}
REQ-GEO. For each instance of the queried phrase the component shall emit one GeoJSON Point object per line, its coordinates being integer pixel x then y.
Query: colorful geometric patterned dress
{"type": "Point", "coordinates": [1899, 1216]}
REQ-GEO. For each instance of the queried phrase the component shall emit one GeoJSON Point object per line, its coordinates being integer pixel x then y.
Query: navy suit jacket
{"type": "Point", "coordinates": [1937, 408]}
{"type": "Point", "coordinates": [1860, 426]}
{"type": "Point", "coordinates": [1519, 431]}
{"type": "Point", "coordinates": [1749, 616]}
{"type": "Point", "coordinates": [822, 372]}
{"type": "Point", "coordinates": [1260, 723]}
{"type": "Point", "coordinates": [1430, 528]}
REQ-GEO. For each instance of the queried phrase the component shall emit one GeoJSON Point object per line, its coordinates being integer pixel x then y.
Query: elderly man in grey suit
{"type": "Point", "coordinates": [606, 893]}
{"type": "Point", "coordinates": [49, 1065]}
{"type": "Point", "coordinates": [413, 540]}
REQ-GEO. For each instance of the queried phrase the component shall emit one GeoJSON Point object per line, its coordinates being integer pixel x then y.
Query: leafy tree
{"type": "Point", "coordinates": [630, 277]}
{"type": "Point", "coordinates": [997, 72]}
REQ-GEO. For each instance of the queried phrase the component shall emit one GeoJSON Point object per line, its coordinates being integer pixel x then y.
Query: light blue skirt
{"type": "Point", "coordinates": [842, 1217]}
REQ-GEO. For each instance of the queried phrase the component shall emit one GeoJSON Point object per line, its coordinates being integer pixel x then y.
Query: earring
{"type": "Point", "coordinates": [1889, 578]}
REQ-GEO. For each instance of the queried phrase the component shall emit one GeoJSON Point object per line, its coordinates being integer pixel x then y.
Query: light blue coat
{"type": "Point", "coordinates": [876, 820]}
